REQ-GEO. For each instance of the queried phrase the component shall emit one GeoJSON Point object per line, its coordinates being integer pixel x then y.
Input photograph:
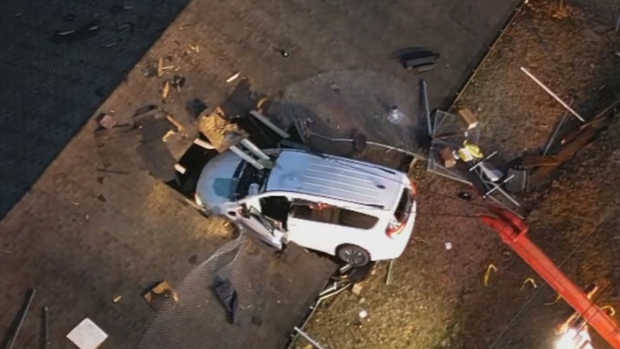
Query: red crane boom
{"type": "Point", "coordinates": [513, 231]}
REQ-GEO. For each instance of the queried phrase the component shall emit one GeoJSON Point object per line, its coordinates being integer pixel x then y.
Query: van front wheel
{"type": "Point", "coordinates": [353, 255]}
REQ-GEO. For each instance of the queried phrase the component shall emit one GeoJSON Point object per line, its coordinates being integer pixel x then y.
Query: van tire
{"type": "Point", "coordinates": [353, 255]}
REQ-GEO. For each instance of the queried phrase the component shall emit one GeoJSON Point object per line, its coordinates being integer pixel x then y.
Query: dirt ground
{"type": "Point", "coordinates": [438, 299]}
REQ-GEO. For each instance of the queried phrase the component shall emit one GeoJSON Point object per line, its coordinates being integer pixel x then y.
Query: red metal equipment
{"type": "Point", "coordinates": [513, 231]}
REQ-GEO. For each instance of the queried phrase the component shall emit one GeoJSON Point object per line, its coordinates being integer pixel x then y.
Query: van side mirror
{"type": "Point", "coordinates": [243, 211]}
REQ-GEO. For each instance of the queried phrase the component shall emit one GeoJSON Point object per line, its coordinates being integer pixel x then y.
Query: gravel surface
{"type": "Point", "coordinates": [439, 299]}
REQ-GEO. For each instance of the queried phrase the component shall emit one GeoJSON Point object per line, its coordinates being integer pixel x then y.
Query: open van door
{"type": "Point", "coordinates": [263, 226]}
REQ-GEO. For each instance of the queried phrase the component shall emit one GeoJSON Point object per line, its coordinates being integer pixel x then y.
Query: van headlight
{"type": "Point", "coordinates": [198, 200]}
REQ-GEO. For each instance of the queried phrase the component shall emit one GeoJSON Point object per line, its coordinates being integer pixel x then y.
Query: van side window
{"type": "Point", "coordinates": [333, 215]}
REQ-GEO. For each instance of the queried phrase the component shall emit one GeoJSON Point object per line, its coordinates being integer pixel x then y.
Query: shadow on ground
{"type": "Point", "coordinates": [59, 63]}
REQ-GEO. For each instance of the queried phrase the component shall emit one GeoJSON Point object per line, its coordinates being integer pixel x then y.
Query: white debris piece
{"type": "Point", "coordinates": [448, 245]}
{"type": "Point", "coordinates": [363, 314]}
{"type": "Point", "coordinates": [87, 335]}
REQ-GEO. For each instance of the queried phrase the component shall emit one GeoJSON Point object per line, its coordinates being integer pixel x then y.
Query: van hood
{"type": "Point", "coordinates": [218, 181]}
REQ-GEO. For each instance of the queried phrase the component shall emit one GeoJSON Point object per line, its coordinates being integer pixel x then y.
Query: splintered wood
{"type": "Point", "coordinates": [221, 133]}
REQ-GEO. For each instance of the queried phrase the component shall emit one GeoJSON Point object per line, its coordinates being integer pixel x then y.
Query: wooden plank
{"type": "Point", "coordinates": [539, 160]}
{"type": "Point", "coordinates": [565, 154]}
{"type": "Point", "coordinates": [469, 117]}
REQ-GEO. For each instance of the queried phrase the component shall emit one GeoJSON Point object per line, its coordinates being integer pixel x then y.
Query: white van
{"type": "Point", "coordinates": [357, 211]}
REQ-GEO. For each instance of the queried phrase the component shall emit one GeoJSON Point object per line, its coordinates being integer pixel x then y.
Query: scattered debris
{"type": "Point", "coordinates": [357, 289]}
{"type": "Point", "coordinates": [284, 53]}
{"type": "Point", "coordinates": [20, 317]}
{"type": "Point", "coordinates": [612, 311]}
{"type": "Point", "coordinates": [487, 274]}
{"type": "Point", "coordinates": [129, 25]}
{"type": "Point", "coordinates": [117, 299]}
{"type": "Point", "coordinates": [448, 158]}
{"type": "Point", "coordinates": [390, 270]}
{"type": "Point", "coordinates": [232, 78]}
{"type": "Point", "coordinates": [417, 58]}
{"type": "Point", "coordinates": [85, 32]}
{"type": "Point", "coordinates": [87, 335]}
{"type": "Point", "coordinates": [175, 123]}
{"type": "Point", "coordinates": [160, 67]}
{"type": "Point", "coordinates": [194, 48]}
{"type": "Point", "coordinates": [529, 281]}
{"type": "Point", "coordinates": [160, 293]}
{"type": "Point", "coordinates": [463, 195]}
{"type": "Point", "coordinates": [106, 121]}
{"type": "Point", "coordinates": [448, 245]}
{"type": "Point", "coordinates": [46, 332]}
{"type": "Point", "coordinates": [227, 296]}
{"type": "Point", "coordinates": [468, 117]}
{"type": "Point", "coordinates": [177, 82]}
{"type": "Point", "coordinates": [166, 90]}
{"type": "Point", "coordinates": [179, 168]}
{"type": "Point", "coordinates": [363, 314]}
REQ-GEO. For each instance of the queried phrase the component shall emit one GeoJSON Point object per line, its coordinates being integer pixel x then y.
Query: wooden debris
{"type": "Point", "coordinates": [157, 295]}
{"type": "Point", "coordinates": [160, 67]}
{"type": "Point", "coordinates": [117, 299]}
{"type": "Point", "coordinates": [538, 160]}
{"type": "Point", "coordinates": [175, 123]}
{"type": "Point", "coordinates": [357, 289]}
{"type": "Point", "coordinates": [583, 138]}
{"type": "Point", "coordinates": [221, 133]}
{"type": "Point", "coordinates": [106, 121]}
{"type": "Point", "coordinates": [232, 78]}
{"type": "Point", "coordinates": [469, 117]}
{"type": "Point", "coordinates": [166, 90]}
{"type": "Point", "coordinates": [447, 157]}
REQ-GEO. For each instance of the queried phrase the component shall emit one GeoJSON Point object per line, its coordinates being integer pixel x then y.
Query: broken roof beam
{"type": "Point", "coordinates": [584, 137]}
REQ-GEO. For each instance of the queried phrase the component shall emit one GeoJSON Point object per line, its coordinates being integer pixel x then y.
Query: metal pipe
{"type": "Point", "coordinates": [552, 94]}
{"type": "Point", "coordinates": [425, 105]}
{"type": "Point", "coordinates": [11, 342]}
{"type": "Point", "coordinates": [557, 128]}
{"type": "Point", "coordinates": [269, 124]}
{"type": "Point", "coordinates": [254, 149]}
{"type": "Point", "coordinates": [46, 334]}
{"type": "Point", "coordinates": [246, 157]}
{"type": "Point", "coordinates": [305, 335]}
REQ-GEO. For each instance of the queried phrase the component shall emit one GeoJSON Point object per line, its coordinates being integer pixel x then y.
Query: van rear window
{"type": "Point", "coordinates": [404, 205]}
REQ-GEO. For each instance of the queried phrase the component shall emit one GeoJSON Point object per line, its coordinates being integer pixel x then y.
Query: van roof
{"type": "Point", "coordinates": [336, 178]}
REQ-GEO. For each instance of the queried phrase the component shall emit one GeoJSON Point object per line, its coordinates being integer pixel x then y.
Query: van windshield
{"type": "Point", "coordinates": [246, 176]}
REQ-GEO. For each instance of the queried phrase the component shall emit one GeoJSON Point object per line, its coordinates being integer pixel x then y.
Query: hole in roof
{"type": "Point", "coordinates": [380, 186]}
